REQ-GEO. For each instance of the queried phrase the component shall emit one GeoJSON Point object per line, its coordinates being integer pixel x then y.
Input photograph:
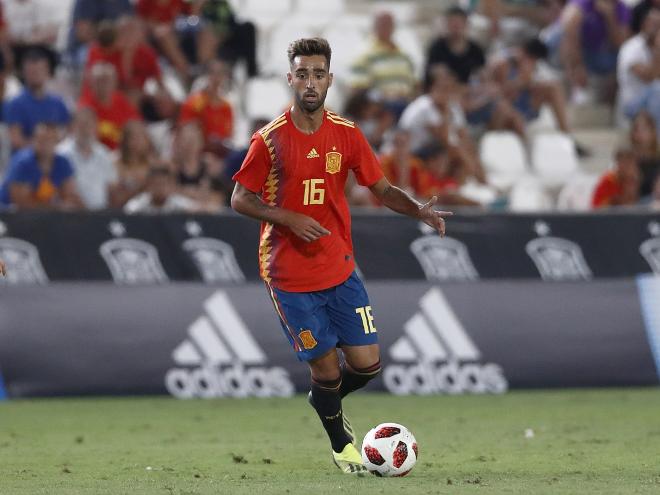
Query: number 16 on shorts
{"type": "Point", "coordinates": [367, 319]}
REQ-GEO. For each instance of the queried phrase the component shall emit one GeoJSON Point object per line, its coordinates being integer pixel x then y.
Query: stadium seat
{"type": "Point", "coordinates": [267, 7]}
{"type": "Point", "coordinates": [503, 157]}
{"type": "Point", "coordinates": [347, 45]}
{"type": "Point", "coordinates": [528, 194]}
{"type": "Point", "coordinates": [274, 60]}
{"type": "Point", "coordinates": [554, 158]}
{"type": "Point", "coordinates": [576, 195]}
{"type": "Point", "coordinates": [321, 9]}
{"type": "Point", "coordinates": [266, 97]}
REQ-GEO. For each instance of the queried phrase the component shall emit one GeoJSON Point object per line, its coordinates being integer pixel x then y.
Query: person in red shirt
{"type": "Point", "coordinates": [293, 179]}
{"type": "Point", "coordinates": [122, 45]}
{"type": "Point", "coordinates": [620, 186]}
{"type": "Point", "coordinates": [112, 108]}
{"type": "Point", "coordinates": [208, 108]}
{"type": "Point", "coordinates": [160, 16]}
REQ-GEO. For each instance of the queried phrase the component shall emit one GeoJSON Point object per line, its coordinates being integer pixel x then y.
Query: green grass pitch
{"type": "Point", "coordinates": [583, 442]}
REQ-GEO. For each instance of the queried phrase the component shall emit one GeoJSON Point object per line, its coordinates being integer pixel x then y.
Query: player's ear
{"type": "Point", "coordinates": [330, 78]}
{"type": "Point", "coordinates": [289, 79]}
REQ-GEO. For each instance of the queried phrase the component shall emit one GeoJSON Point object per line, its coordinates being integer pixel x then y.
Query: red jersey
{"type": "Point", "coordinates": [607, 190]}
{"type": "Point", "coordinates": [306, 173]}
{"type": "Point", "coordinates": [143, 66]}
{"type": "Point", "coordinates": [164, 11]}
{"type": "Point", "coordinates": [216, 119]}
{"type": "Point", "coordinates": [110, 118]}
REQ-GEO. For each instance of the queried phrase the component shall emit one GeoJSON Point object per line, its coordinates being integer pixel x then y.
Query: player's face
{"type": "Point", "coordinates": [310, 79]}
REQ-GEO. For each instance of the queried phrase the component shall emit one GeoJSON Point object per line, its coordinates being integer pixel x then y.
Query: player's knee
{"type": "Point", "coordinates": [369, 372]}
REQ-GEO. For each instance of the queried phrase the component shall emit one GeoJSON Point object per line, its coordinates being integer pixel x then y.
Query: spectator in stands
{"type": "Point", "coordinates": [649, 97]}
{"type": "Point", "coordinates": [223, 36]}
{"type": "Point", "coordinates": [620, 186]}
{"type": "Point", "coordinates": [372, 115]}
{"type": "Point", "coordinates": [209, 109]}
{"type": "Point", "coordinates": [136, 155]}
{"type": "Point", "coordinates": [6, 55]}
{"type": "Point", "coordinates": [399, 163]}
{"type": "Point", "coordinates": [635, 69]}
{"type": "Point", "coordinates": [93, 166]}
{"type": "Point", "coordinates": [121, 43]}
{"type": "Point", "coordinates": [437, 118]}
{"type": "Point", "coordinates": [538, 13]}
{"type": "Point", "coordinates": [639, 13]}
{"type": "Point", "coordinates": [517, 75]}
{"type": "Point", "coordinates": [29, 26]}
{"type": "Point", "coordinates": [235, 157]}
{"type": "Point", "coordinates": [654, 204]}
{"type": "Point", "coordinates": [160, 195]}
{"type": "Point", "coordinates": [590, 34]}
{"type": "Point", "coordinates": [482, 100]}
{"type": "Point", "coordinates": [200, 175]}
{"type": "Point", "coordinates": [440, 176]}
{"type": "Point", "coordinates": [34, 104]}
{"type": "Point", "coordinates": [113, 110]}
{"type": "Point", "coordinates": [644, 143]}
{"type": "Point", "coordinates": [87, 14]}
{"type": "Point", "coordinates": [160, 16]}
{"type": "Point", "coordinates": [456, 51]}
{"type": "Point", "coordinates": [385, 69]}
{"type": "Point", "coordinates": [38, 177]}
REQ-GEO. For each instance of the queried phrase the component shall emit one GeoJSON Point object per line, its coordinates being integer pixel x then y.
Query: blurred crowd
{"type": "Point", "coordinates": [134, 109]}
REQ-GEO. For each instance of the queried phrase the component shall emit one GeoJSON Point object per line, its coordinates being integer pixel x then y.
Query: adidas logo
{"type": "Point", "coordinates": [445, 357]}
{"type": "Point", "coordinates": [220, 358]}
{"type": "Point", "coordinates": [313, 154]}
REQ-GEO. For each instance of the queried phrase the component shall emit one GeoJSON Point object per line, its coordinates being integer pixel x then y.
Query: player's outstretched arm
{"type": "Point", "coordinates": [401, 202]}
{"type": "Point", "coordinates": [248, 203]}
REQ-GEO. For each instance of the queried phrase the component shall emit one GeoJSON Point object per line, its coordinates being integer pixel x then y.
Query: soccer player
{"type": "Point", "coordinates": [3, 270]}
{"type": "Point", "coordinates": [292, 179]}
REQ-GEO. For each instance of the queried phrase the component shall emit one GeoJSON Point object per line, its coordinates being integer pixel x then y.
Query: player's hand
{"type": "Point", "coordinates": [3, 269]}
{"type": "Point", "coordinates": [432, 217]}
{"type": "Point", "coordinates": [306, 227]}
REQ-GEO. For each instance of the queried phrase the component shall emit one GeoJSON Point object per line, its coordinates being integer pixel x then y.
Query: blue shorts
{"type": "Point", "coordinates": [315, 322]}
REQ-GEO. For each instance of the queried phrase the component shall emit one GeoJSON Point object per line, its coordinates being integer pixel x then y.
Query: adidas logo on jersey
{"type": "Point", "coordinates": [441, 356]}
{"type": "Point", "coordinates": [313, 154]}
{"type": "Point", "coordinates": [221, 359]}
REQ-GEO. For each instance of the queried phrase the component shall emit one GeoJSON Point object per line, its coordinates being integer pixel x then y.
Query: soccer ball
{"type": "Point", "coordinates": [389, 449]}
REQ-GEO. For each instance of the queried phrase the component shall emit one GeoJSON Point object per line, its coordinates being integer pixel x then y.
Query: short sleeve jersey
{"type": "Point", "coordinates": [306, 173]}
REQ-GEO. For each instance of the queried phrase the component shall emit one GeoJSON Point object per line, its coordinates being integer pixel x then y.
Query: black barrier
{"type": "Point", "coordinates": [41, 247]}
{"type": "Point", "coordinates": [191, 340]}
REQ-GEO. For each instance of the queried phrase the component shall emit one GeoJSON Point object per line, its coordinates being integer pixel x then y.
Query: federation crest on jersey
{"type": "Point", "coordinates": [332, 162]}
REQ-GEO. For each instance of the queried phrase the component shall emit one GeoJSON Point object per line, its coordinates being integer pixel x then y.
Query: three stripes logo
{"type": "Point", "coordinates": [220, 358]}
{"type": "Point", "coordinates": [435, 354]}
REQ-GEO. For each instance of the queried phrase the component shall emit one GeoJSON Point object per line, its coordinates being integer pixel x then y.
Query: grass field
{"type": "Point", "coordinates": [584, 441]}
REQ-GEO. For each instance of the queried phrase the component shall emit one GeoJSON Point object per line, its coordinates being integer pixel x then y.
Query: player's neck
{"type": "Point", "coordinates": [307, 122]}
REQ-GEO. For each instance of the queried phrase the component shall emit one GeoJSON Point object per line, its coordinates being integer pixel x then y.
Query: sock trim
{"type": "Point", "coordinates": [374, 369]}
{"type": "Point", "coordinates": [329, 385]}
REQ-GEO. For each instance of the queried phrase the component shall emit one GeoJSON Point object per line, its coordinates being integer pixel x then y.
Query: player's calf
{"type": "Point", "coordinates": [355, 378]}
{"type": "Point", "coordinates": [327, 402]}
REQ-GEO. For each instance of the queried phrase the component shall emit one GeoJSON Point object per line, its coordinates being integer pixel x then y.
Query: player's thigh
{"type": "Point", "coordinates": [351, 317]}
{"type": "Point", "coordinates": [362, 356]}
{"type": "Point", "coordinates": [305, 322]}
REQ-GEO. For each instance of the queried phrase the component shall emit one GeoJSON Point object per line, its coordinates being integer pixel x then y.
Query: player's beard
{"type": "Point", "coordinates": [311, 106]}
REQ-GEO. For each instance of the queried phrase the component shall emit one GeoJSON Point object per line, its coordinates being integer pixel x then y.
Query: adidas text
{"type": "Point", "coordinates": [449, 378]}
{"type": "Point", "coordinates": [231, 381]}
